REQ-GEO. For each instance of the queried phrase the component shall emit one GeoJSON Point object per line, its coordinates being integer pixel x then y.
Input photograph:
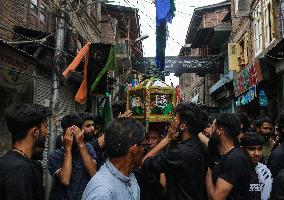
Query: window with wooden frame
{"type": "Point", "coordinates": [258, 32]}
{"type": "Point", "coordinates": [269, 21]}
{"type": "Point", "coordinates": [38, 15]}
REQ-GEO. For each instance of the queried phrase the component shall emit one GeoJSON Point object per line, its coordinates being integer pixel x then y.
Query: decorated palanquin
{"type": "Point", "coordinates": [152, 101]}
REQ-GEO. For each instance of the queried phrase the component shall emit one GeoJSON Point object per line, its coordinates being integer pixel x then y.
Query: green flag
{"type": "Point", "coordinates": [110, 64]}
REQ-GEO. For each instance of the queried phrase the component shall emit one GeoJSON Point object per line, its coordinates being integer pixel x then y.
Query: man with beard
{"type": "Point", "coordinates": [73, 165]}
{"type": "Point", "coordinates": [19, 176]}
{"type": "Point", "coordinates": [181, 155]}
{"type": "Point", "coordinates": [261, 178]}
{"type": "Point", "coordinates": [124, 142]}
{"type": "Point", "coordinates": [93, 134]}
{"type": "Point", "coordinates": [228, 175]}
{"type": "Point", "coordinates": [264, 127]}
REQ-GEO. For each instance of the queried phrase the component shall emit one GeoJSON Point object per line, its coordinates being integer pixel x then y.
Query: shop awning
{"type": "Point", "coordinates": [212, 37]}
{"type": "Point", "coordinates": [221, 34]}
{"type": "Point", "coordinates": [229, 77]}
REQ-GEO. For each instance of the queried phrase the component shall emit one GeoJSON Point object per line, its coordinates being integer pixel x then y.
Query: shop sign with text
{"type": "Point", "coordinates": [249, 77]}
{"type": "Point", "coordinates": [15, 70]}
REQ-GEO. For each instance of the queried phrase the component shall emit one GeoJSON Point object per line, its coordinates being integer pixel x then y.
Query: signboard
{"type": "Point", "coordinates": [179, 65]}
{"type": "Point", "coordinates": [248, 78]}
{"type": "Point", "coordinates": [15, 70]}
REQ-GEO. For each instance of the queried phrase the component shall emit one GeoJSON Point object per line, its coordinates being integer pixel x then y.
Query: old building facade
{"type": "Point", "coordinates": [256, 30]}
{"type": "Point", "coordinates": [209, 29]}
{"type": "Point", "coordinates": [27, 46]}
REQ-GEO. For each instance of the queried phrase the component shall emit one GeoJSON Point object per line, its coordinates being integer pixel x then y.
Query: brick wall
{"type": "Point", "coordinates": [7, 16]}
{"type": "Point", "coordinates": [191, 84]}
{"type": "Point", "coordinates": [212, 19]}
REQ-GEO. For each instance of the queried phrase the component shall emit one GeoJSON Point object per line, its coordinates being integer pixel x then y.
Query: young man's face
{"type": "Point", "coordinates": [88, 127]}
{"type": "Point", "coordinates": [208, 130]}
{"type": "Point", "coordinates": [214, 130]}
{"type": "Point", "coordinates": [254, 153]}
{"type": "Point", "coordinates": [39, 143]}
{"type": "Point", "coordinates": [265, 129]}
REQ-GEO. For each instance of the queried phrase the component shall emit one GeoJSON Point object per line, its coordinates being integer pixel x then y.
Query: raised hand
{"type": "Point", "coordinates": [173, 134]}
{"type": "Point", "coordinates": [68, 139]}
{"type": "Point", "coordinates": [126, 114]}
{"type": "Point", "coordinates": [79, 135]}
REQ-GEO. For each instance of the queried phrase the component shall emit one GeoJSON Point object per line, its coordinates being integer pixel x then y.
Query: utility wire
{"type": "Point", "coordinates": [21, 72]}
{"type": "Point", "coordinates": [3, 26]}
{"type": "Point", "coordinates": [131, 6]}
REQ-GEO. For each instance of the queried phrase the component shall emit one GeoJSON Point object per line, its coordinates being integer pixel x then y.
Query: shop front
{"type": "Point", "coordinates": [223, 93]}
{"type": "Point", "coordinates": [256, 90]}
{"type": "Point", "coordinates": [16, 86]}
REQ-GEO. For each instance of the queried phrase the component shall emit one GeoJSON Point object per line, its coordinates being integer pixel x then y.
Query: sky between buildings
{"type": "Point", "coordinates": [177, 30]}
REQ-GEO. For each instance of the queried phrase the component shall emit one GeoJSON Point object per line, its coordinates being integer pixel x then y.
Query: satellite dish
{"type": "Point", "coordinates": [243, 8]}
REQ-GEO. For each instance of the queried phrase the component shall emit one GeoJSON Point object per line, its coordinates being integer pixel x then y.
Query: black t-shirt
{"type": "Point", "coordinates": [277, 192]}
{"type": "Point", "coordinates": [150, 186]}
{"type": "Point", "coordinates": [19, 178]}
{"type": "Point", "coordinates": [101, 153]}
{"type": "Point", "coordinates": [185, 165]}
{"type": "Point", "coordinates": [255, 187]}
{"type": "Point", "coordinates": [276, 160]}
{"type": "Point", "coordinates": [234, 167]}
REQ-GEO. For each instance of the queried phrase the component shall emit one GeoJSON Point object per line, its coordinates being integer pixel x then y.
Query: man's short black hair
{"type": "Point", "coordinates": [252, 139]}
{"type": "Point", "coordinates": [263, 119]}
{"type": "Point", "coordinates": [70, 120]}
{"type": "Point", "coordinates": [231, 124]}
{"type": "Point", "coordinates": [86, 116]}
{"type": "Point", "coordinates": [121, 134]}
{"type": "Point", "coordinates": [244, 121]}
{"type": "Point", "coordinates": [22, 117]}
{"type": "Point", "coordinates": [194, 116]}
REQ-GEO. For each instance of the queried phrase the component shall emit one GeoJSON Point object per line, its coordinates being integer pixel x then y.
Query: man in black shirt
{"type": "Point", "coordinates": [276, 160]}
{"type": "Point", "coordinates": [228, 176]}
{"type": "Point", "coordinates": [20, 177]}
{"type": "Point", "coordinates": [181, 155]}
{"type": "Point", "coordinates": [277, 192]}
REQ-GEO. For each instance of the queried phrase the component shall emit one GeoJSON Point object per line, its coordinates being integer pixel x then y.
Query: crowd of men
{"type": "Point", "coordinates": [225, 157]}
